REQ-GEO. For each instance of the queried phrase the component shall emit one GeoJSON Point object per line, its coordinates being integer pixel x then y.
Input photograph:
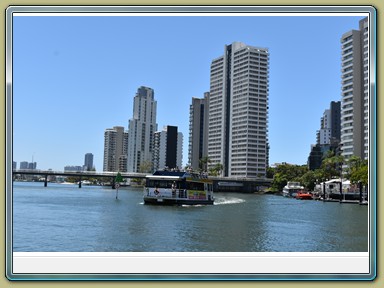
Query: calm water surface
{"type": "Point", "coordinates": [64, 218]}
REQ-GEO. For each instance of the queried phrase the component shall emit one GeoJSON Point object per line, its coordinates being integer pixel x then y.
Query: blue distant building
{"type": "Point", "coordinates": [73, 168]}
{"type": "Point", "coordinates": [25, 165]}
{"type": "Point", "coordinates": [88, 162]}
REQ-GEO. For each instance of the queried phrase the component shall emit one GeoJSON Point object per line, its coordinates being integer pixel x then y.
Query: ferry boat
{"type": "Point", "coordinates": [292, 189]}
{"type": "Point", "coordinates": [178, 188]}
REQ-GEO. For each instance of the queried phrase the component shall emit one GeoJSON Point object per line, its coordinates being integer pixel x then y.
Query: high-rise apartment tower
{"type": "Point", "coordinates": [115, 149]}
{"type": "Point", "coordinates": [88, 161]}
{"type": "Point", "coordinates": [238, 111]}
{"type": "Point", "coordinates": [327, 138]}
{"type": "Point", "coordinates": [355, 92]}
{"type": "Point", "coordinates": [168, 149]}
{"type": "Point", "coordinates": [198, 130]}
{"type": "Point", "coordinates": [330, 125]}
{"type": "Point", "coordinates": [141, 129]}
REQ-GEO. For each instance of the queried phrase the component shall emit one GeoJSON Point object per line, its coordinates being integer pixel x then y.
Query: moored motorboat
{"type": "Point", "coordinates": [302, 195]}
{"type": "Point", "coordinates": [178, 188]}
{"type": "Point", "coordinates": [291, 189]}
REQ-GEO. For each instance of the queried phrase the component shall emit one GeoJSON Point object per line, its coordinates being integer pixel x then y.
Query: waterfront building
{"type": "Point", "coordinates": [14, 165]}
{"type": "Point", "coordinates": [198, 130]}
{"type": "Point", "coordinates": [88, 162]}
{"type": "Point", "coordinates": [238, 111]}
{"type": "Point", "coordinates": [355, 91]}
{"type": "Point", "coordinates": [315, 157]}
{"type": "Point", "coordinates": [335, 125]}
{"type": "Point", "coordinates": [115, 149]}
{"type": "Point", "coordinates": [324, 134]}
{"type": "Point", "coordinates": [328, 137]}
{"type": "Point", "coordinates": [318, 152]}
{"type": "Point", "coordinates": [141, 129]}
{"type": "Point", "coordinates": [329, 125]}
{"type": "Point", "coordinates": [168, 149]}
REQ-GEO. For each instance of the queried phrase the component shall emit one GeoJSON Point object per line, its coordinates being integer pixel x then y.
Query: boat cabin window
{"type": "Point", "coordinates": [195, 186]}
{"type": "Point", "coordinates": [164, 184]}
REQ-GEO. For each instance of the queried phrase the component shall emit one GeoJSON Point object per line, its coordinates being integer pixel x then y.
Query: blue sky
{"type": "Point", "coordinates": [74, 77]}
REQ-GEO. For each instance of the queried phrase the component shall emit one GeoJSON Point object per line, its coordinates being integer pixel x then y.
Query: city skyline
{"type": "Point", "coordinates": [76, 76]}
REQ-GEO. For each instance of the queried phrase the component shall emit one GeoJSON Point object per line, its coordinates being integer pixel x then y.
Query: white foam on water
{"type": "Point", "coordinates": [192, 206]}
{"type": "Point", "coordinates": [228, 200]}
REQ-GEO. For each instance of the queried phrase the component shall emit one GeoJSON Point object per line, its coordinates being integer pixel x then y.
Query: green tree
{"type": "Point", "coordinates": [270, 172]}
{"type": "Point", "coordinates": [146, 167]}
{"type": "Point", "coordinates": [203, 163]}
{"type": "Point", "coordinates": [357, 170]}
{"type": "Point", "coordinates": [360, 174]}
{"type": "Point", "coordinates": [331, 166]}
{"type": "Point", "coordinates": [285, 173]}
{"type": "Point", "coordinates": [308, 180]}
{"type": "Point", "coordinates": [216, 170]}
{"type": "Point", "coordinates": [119, 178]}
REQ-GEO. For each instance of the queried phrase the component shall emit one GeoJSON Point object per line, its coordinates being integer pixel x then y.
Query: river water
{"type": "Point", "coordinates": [64, 218]}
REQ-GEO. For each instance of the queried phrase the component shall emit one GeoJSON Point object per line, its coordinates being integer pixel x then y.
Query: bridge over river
{"type": "Point", "coordinates": [220, 184]}
{"type": "Point", "coordinates": [80, 175]}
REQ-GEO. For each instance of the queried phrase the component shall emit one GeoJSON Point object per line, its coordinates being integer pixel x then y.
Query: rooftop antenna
{"type": "Point", "coordinates": [32, 160]}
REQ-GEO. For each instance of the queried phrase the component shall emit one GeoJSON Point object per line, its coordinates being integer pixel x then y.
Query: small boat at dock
{"type": "Point", "coordinates": [178, 188]}
{"type": "Point", "coordinates": [292, 189]}
{"type": "Point", "coordinates": [302, 195]}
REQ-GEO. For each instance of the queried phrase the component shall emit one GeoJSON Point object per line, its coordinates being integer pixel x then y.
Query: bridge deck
{"type": "Point", "coordinates": [82, 173]}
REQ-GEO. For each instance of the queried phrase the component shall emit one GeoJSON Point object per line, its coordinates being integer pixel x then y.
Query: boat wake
{"type": "Point", "coordinates": [192, 206]}
{"type": "Point", "coordinates": [228, 200]}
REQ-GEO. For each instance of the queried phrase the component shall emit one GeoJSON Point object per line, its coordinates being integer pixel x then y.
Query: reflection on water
{"type": "Point", "coordinates": [66, 218]}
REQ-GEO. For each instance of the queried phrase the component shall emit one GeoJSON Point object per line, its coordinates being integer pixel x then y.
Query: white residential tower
{"type": "Point", "coordinates": [355, 92]}
{"type": "Point", "coordinates": [238, 111]}
{"type": "Point", "coordinates": [141, 129]}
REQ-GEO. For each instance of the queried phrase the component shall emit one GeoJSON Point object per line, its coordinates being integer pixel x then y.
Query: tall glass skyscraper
{"type": "Point", "coordinates": [238, 111]}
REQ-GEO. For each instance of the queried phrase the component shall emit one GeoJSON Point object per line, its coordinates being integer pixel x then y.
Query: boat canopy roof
{"type": "Point", "coordinates": [160, 177]}
{"type": "Point", "coordinates": [337, 180]}
{"type": "Point", "coordinates": [174, 175]}
{"type": "Point", "coordinates": [169, 173]}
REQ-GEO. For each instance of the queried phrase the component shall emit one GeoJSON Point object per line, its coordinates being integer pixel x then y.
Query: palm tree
{"type": "Point", "coordinates": [203, 163]}
{"type": "Point", "coordinates": [332, 166]}
{"type": "Point", "coordinates": [216, 170]}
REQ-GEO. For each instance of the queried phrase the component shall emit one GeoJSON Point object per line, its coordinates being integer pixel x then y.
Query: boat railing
{"type": "Point", "coordinates": [178, 193]}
